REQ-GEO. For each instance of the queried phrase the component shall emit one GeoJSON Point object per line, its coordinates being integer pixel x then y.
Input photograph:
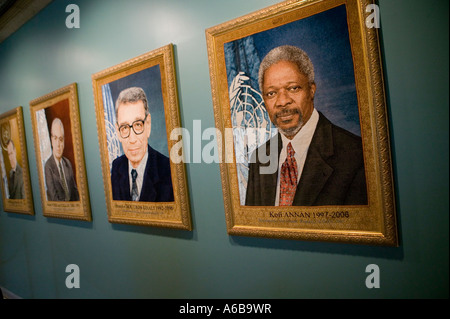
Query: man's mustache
{"type": "Point", "coordinates": [287, 112]}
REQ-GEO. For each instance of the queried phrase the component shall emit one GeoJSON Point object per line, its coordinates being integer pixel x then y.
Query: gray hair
{"type": "Point", "coordinates": [132, 95]}
{"type": "Point", "coordinates": [286, 53]}
{"type": "Point", "coordinates": [55, 121]}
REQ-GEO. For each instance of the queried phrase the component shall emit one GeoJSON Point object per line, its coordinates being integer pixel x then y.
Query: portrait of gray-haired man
{"type": "Point", "coordinates": [59, 176]}
{"type": "Point", "coordinates": [318, 163]}
{"type": "Point", "coordinates": [141, 173]}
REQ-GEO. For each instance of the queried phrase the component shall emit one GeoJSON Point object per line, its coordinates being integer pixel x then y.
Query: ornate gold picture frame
{"type": "Point", "coordinates": [336, 100]}
{"type": "Point", "coordinates": [59, 154]}
{"type": "Point", "coordinates": [16, 184]}
{"type": "Point", "coordinates": [135, 138]}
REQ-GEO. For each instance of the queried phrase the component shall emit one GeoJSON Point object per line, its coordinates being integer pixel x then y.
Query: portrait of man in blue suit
{"type": "Point", "coordinates": [141, 173]}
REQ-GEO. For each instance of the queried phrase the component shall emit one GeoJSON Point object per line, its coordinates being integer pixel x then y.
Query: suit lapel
{"type": "Point", "coordinates": [268, 180]}
{"type": "Point", "coordinates": [151, 178]}
{"type": "Point", "coordinates": [67, 172]}
{"type": "Point", "coordinates": [56, 170]}
{"type": "Point", "coordinates": [124, 181]}
{"type": "Point", "coordinates": [316, 170]}
{"type": "Point", "coordinates": [17, 174]}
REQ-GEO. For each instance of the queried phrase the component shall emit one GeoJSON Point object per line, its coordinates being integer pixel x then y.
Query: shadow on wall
{"type": "Point", "coordinates": [6, 294]}
{"type": "Point", "coordinates": [385, 252]}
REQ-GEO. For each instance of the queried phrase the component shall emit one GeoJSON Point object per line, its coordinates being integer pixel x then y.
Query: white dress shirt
{"type": "Point", "coordinates": [300, 144]}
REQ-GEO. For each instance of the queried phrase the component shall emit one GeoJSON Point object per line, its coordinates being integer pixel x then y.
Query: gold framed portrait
{"type": "Point", "coordinates": [58, 144]}
{"type": "Point", "coordinates": [16, 184]}
{"type": "Point", "coordinates": [298, 97]}
{"type": "Point", "coordinates": [137, 107]}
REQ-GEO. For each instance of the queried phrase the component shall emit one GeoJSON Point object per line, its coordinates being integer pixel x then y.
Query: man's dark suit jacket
{"type": "Point", "coordinates": [16, 189]}
{"type": "Point", "coordinates": [157, 184]}
{"type": "Point", "coordinates": [55, 189]}
{"type": "Point", "coordinates": [333, 173]}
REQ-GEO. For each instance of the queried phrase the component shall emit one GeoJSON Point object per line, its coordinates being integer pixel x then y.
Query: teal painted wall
{"type": "Point", "coordinates": [125, 261]}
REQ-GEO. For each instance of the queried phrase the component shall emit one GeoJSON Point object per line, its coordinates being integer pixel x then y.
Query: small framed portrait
{"type": "Point", "coordinates": [16, 184]}
{"type": "Point", "coordinates": [59, 154]}
{"type": "Point", "coordinates": [299, 98]}
{"type": "Point", "coordinates": [137, 108]}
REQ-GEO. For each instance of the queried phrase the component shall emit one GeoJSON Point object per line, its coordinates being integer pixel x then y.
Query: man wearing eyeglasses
{"type": "Point", "coordinates": [142, 173]}
{"type": "Point", "coordinates": [59, 177]}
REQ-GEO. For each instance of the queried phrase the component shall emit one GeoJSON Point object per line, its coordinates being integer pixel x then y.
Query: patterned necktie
{"type": "Point", "coordinates": [64, 184]}
{"type": "Point", "coordinates": [134, 190]}
{"type": "Point", "coordinates": [288, 178]}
